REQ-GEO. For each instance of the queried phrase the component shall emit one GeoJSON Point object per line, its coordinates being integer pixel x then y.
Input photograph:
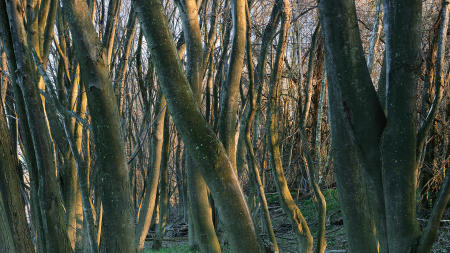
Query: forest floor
{"type": "Point", "coordinates": [176, 240]}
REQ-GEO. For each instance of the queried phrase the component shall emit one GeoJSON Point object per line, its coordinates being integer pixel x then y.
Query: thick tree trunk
{"type": "Point", "coordinates": [30, 158]}
{"type": "Point", "coordinates": [197, 189]}
{"type": "Point", "coordinates": [364, 119]}
{"type": "Point", "coordinates": [352, 197]}
{"type": "Point", "coordinates": [204, 147]}
{"type": "Point", "coordinates": [118, 227]}
{"type": "Point", "coordinates": [6, 240]}
{"type": "Point", "coordinates": [403, 61]}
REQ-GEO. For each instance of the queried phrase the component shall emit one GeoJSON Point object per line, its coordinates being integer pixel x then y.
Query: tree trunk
{"type": "Point", "coordinates": [403, 58]}
{"type": "Point", "coordinates": [6, 240]}
{"type": "Point", "coordinates": [118, 227]}
{"type": "Point", "coordinates": [49, 198]}
{"type": "Point", "coordinates": [230, 88]}
{"type": "Point", "coordinates": [198, 192]}
{"type": "Point", "coordinates": [163, 186]}
{"type": "Point", "coordinates": [204, 147]}
{"type": "Point", "coordinates": [11, 191]}
{"type": "Point", "coordinates": [148, 202]}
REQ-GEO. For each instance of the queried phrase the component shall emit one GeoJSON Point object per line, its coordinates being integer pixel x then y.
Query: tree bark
{"type": "Point", "coordinates": [148, 202]}
{"type": "Point", "coordinates": [403, 62]}
{"type": "Point", "coordinates": [230, 88]}
{"type": "Point", "coordinates": [364, 117]}
{"type": "Point", "coordinates": [204, 147]}
{"type": "Point", "coordinates": [11, 191]}
{"type": "Point", "coordinates": [197, 189]}
{"type": "Point", "coordinates": [118, 227]}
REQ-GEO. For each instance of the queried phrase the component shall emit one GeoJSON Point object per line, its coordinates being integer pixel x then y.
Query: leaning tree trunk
{"type": "Point", "coordinates": [50, 201]}
{"type": "Point", "coordinates": [148, 201]}
{"type": "Point", "coordinates": [204, 147]}
{"type": "Point", "coordinates": [10, 189]}
{"type": "Point", "coordinates": [118, 226]}
{"type": "Point", "coordinates": [163, 186]}
{"type": "Point", "coordinates": [24, 131]}
{"type": "Point", "coordinates": [6, 240]}
{"type": "Point", "coordinates": [197, 189]}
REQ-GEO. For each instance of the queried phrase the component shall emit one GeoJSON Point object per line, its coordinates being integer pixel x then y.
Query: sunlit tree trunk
{"type": "Point", "coordinates": [304, 238]}
{"type": "Point", "coordinates": [148, 201]}
{"type": "Point", "coordinates": [163, 186]}
{"type": "Point", "coordinates": [251, 116]}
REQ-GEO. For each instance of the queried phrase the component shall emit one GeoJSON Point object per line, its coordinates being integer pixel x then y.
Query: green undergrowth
{"type": "Point", "coordinates": [173, 249]}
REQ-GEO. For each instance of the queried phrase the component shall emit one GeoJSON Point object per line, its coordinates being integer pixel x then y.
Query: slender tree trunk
{"type": "Point", "coordinates": [163, 185]}
{"type": "Point", "coordinates": [251, 116]}
{"type": "Point", "coordinates": [374, 35]}
{"type": "Point", "coordinates": [305, 240]}
{"type": "Point", "coordinates": [148, 202]}
{"type": "Point", "coordinates": [230, 89]}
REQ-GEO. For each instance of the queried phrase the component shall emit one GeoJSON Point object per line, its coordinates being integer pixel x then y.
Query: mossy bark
{"type": "Point", "coordinates": [204, 147]}
{"type": "Point", "coordinates": [197, 189]}
{"type": "Point", "coordinates": [118, 226]}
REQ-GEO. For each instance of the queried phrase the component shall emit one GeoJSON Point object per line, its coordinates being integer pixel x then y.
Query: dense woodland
{"type": "Point", "coordinates": [224, 126]}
